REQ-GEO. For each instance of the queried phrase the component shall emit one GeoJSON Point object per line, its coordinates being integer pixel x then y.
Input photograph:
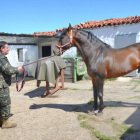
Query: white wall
{"type": "Point", "coordinates": [30, 54]}
{"type": "Point", "coordinates": [13, 55]}
{"type": "Point", "coordinates": [51, 43]}
{"type": "Point", "coordinates": [72, 52]}
{"type": "Point", "coordinates": [107, 34]}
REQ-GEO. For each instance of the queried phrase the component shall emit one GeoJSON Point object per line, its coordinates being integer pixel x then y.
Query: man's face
{"type": "Point", "coordinates": [5, 50]}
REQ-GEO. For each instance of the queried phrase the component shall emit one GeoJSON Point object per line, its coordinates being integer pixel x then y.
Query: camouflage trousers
{"type": "Point", "coordinates": [5, 103]}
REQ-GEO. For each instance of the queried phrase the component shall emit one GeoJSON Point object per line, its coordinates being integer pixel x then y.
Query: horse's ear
{"type": "Point", "coordinates": [69, 28]}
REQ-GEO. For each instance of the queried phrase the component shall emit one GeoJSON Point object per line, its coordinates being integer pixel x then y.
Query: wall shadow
{"type": "Point", "coordinates": [134, 120]}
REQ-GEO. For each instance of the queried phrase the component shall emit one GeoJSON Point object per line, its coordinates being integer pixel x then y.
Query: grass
{"type": "Point", "coordinates": [136, 83]}
{"type": "Point", "coordinates": [83, 122]}
{"type": "Point", "coordinates": [111, 79]}
{"type": "Point", "coordinates": [109, 100]}
{"type": "Point", "coordinates": [74, 89]}
{"type": "Point", "coordinates": [119, 102]}
{"type": "Point", "coordinates": [135, 97]}
{"type": "Point", "coordinates": [91, 101]}
{"type": "Point", "coordinates": [137, 91]}
{"type": "Point", "coordinates": [121, 129]}
{"type": "Point", "coordinates": [87, 78]}
{"type": "Point", "coordinates": [80, 89]}
{"type": "Point", "coordinates": [75, 108]}
{"type": "Point", "coordinates": [110, 106]}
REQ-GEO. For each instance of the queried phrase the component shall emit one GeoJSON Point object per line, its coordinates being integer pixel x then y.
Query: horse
{"type": "Point", "coordinates": [102, 61]}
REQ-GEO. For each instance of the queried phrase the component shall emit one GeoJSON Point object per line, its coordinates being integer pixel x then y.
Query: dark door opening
{"type": "Point", "coordinates": [46, 51]}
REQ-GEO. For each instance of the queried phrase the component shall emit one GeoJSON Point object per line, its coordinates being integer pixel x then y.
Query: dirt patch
{"type": "Point", "coordinates": [57, 118]}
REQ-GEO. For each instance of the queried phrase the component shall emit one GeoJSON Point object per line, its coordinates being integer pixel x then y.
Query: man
{"type": "Point", "coordinates": [6, 70]}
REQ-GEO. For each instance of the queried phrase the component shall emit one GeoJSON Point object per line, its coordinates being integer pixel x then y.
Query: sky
{"type": "Point", "coordinates": [29, 16]}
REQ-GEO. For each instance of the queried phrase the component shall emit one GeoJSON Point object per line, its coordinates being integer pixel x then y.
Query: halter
{"type": "Point", "coordinates": [70, 42]}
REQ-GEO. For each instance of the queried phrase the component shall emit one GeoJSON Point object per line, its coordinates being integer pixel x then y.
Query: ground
{"type": "Point", "coordinates": [65, 116]}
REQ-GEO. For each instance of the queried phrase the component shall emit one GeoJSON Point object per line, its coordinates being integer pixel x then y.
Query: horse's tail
{"type": "Point", "coordinates": [139, 70]}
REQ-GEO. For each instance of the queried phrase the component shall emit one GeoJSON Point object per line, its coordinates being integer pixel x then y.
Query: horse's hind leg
{"type": "Point", "coordinates": [100, 83]}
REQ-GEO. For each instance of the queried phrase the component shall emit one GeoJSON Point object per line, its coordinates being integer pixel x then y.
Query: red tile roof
{"type": "Point", "coordinates": [97, 24]}
{"type": "Point", "coordinates": [52, 33]}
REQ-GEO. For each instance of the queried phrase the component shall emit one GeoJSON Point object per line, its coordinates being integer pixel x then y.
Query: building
{"type": "Point", "coordinates": [117, 33]}
{"type": "Point", "coordinates": [26, 48]}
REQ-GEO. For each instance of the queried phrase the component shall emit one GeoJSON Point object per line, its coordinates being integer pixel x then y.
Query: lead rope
{"type": "Point", "coordinates": [23, 80]}
{"type": "Point", "coordinates": [25, 73]}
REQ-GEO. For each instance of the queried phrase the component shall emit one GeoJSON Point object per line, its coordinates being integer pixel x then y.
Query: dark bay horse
{"type": "Point", "coordinates": [102, 61]}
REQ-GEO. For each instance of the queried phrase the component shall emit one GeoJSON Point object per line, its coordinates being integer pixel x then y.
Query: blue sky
{"type": "Point", "coordinates": [29, 16]}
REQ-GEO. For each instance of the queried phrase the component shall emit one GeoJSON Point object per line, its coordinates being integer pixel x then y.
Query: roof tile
{"type": "Point", "coordinates": [97, 24]}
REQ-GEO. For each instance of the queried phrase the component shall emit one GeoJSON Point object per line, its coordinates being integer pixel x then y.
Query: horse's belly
{"type": "Point", "coordinates": [115, 74]}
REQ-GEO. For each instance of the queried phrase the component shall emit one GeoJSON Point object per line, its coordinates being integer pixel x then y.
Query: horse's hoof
{"type": "Point", "coordinates": [99, 114]}
{"type": "Point", "coordinates": [91, 112]}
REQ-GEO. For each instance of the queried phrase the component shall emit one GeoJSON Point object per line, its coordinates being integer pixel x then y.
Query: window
{"type": "Point", "coordinates": [20, 54]}
{"type": "Point", "coordinates": [46, 51]}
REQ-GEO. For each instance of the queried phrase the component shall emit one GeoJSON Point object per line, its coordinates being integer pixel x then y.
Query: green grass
{"type": "Point", "coordinates": [75, 108]}
{"type": "Point", "coordinates": [110, 106]}
{"type": "Point", "coordinates": [87, 78]}
{"type": "Point", "coordinates": [91, 101]}
{"type": "Point", "coordinates": [111, 79]}
{"type": "Point", "coordinates": [109, 100]}
{"type": "Point", "coordinates": [137, 91]}
{"type": "Point", "coordinates": [121, 129]}
{"type": "Point", "coordinates": [135, 97]}
{"type": "Point", "coordinates": [91, 88]}
{"type": "Point", "coordinates": [74, 89]}
{"type": "Point", "coordinates": [119, 102]}
{"type": "Point", "coordinates": [80, 89]}
{"type": "Point", "coordinates": [136, 83]}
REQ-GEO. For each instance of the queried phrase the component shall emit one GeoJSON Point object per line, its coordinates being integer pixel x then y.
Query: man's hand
{"type": "Point", "coordinates": [20, 68]}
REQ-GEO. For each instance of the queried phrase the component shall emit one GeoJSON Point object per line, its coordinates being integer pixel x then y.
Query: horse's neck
{"type": "Point", "coordinates": [88, 45]}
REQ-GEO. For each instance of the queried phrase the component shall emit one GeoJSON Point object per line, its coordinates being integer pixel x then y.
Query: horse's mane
{"type": "Point", "coordinates": [92, 35]}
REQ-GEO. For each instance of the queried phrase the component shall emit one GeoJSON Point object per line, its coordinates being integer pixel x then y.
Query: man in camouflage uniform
{"type": "Point", "coordinates": [6, 70]}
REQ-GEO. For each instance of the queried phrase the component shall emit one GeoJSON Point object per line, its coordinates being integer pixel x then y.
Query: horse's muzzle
{"type": "Point", "coordinates": [57, 53]}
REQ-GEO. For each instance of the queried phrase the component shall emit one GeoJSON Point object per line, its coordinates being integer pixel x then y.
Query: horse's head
{"type": "Point", "coordinates": [65, 41]}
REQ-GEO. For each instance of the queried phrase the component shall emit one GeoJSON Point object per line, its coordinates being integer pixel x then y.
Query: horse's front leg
{"type": "Point", "coordinates": [95, 106]}
{"type": "Point", "coordinates": [100, 84]}
{"type": "Point", "coordinates": [95, 96]}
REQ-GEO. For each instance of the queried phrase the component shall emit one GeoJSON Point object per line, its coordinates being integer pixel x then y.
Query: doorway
{"type": "Point", "coordinates": [46, 51]}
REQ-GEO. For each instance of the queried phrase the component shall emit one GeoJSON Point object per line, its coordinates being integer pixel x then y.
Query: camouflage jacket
{"type": "Point", "coordinates": [6, 70]}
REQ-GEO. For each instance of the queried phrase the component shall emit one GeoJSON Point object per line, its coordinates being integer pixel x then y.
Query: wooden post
{"type": "Point", "coordinates": [47, 88]}
{"type": "Point", "coordinates": [62, 78]}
